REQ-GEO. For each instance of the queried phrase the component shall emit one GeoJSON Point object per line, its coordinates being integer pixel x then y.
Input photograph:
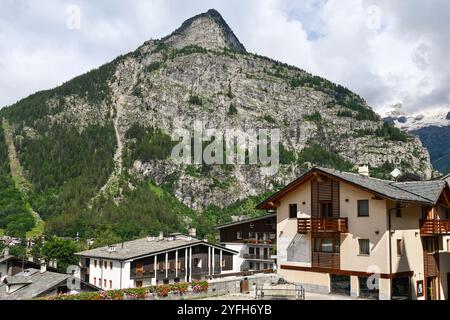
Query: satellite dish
{"type": "Point", "coordinates": [396, 173]}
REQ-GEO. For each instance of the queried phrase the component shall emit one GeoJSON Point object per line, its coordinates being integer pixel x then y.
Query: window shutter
{"type": "Point", "coordinates": [314, 199]}
{"type": "Point", "coordinates": [325, 190]}
{"type": "Point", "coordinates": [335, 200]}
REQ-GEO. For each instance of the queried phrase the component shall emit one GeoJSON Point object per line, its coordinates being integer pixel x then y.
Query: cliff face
{"type": "Point", "coordinates": [202, 72]}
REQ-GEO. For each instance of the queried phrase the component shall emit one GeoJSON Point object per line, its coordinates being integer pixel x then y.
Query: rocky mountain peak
{"type": "Point", "coordinates": [208, 30]}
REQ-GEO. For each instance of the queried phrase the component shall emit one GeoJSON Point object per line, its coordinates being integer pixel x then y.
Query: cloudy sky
{"type": "Point", "coordinates": [389, 52]}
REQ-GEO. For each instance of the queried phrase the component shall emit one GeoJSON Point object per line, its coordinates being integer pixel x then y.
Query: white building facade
{"type": "Point", "coordinates": [152, 261]}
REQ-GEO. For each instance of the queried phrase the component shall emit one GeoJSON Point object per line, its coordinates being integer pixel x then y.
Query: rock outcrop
{"type": "Point", "coordinates": [202, 72]}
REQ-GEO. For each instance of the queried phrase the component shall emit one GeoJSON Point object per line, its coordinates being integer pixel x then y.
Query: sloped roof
{"type": "Point", "coordinates": [35, 284]}
{"type": "Point", "coordinates": [142, 247]}
{"type": "Point", "coordinates": [246, 221]}
{"type": "Point", "coordinates": [424, 192]}
{"type": "Point", "coordinates": [430, 190]}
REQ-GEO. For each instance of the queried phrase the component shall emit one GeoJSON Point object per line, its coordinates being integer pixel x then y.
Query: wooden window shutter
{"type": "Point", "coordinates": [314, 199]}
{"type": "Point", "coordinates": [335, 199]}
{"type": "Point", "coordinates": [325, 190]}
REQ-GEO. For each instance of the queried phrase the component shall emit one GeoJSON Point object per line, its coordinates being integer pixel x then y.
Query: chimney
{"type": "Point", "coordinates": [363, 170]}
{"type": "Point", "coordinates": [161, 236]}
{"type": "Point", "coordinates": [6, 251]}
{"type": "Point", "coordinates": [192, 232]}
{"type": "Point", "coordinates": [54, 263]}
{"type": "Point", "coordinates": [43, 266]}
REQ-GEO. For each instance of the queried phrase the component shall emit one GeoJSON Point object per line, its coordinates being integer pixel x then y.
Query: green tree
{"type": "Point", "coordinates": [19, 250]}
{"type": "Point", "coordinates": [105, 236]}
{"type": "Point", "coordinates": [61, 250]}
{"type": "Point", "coordinates": [36, 250]}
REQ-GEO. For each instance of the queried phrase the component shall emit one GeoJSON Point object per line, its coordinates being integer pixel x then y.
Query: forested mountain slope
{"type": "Point", "coordinates": [97, 148]}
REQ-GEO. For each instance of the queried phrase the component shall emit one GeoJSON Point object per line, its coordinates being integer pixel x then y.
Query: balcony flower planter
{"type": "Point", "coordinates": [174, 291]}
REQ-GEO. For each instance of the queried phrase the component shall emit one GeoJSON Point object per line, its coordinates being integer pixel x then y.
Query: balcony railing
{"type": "Point", "coordinates": [261, 242]}
{"type": "Point", "coordinates": [336, 225]}
{"type": "Point", "coordinates": [257, 256]}
{"type": "Point", "coordinates": [434, 227]}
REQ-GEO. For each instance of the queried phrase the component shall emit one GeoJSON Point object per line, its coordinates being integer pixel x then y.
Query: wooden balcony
{"type": "Point", "coordinates": [433, 227]}
{"type": "Point", "coordinates": [326, 260]}
{"type": "Point", "coordinates": [317, 225]}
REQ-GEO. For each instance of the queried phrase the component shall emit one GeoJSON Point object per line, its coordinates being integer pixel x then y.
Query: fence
{"type": "Point", "coordinates": [280, 292]}
{"type": "Point", "coordinates": [233, 286]}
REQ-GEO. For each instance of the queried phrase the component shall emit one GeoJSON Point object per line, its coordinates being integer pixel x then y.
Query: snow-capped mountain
{"type": "Point", "coordinates": [433, 129]}
{"type": "Point", "coordinates": [412, 122]}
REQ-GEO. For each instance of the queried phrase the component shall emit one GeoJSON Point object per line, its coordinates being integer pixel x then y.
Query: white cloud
{"type": "Point", "coordinates": [398, 56]}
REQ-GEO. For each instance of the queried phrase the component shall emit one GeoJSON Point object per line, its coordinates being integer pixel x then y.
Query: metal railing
{"type": "Point", "coordinates": [257, 256]}
{"type": "Point", "coordinates": [278, 292]}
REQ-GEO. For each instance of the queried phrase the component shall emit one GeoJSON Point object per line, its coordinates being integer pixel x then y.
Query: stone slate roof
{"type": "Point", "coordinates": [143, 247]}
{"type": "Point", "coordinates": [415, 191]}
{"type": "Point", "coordinates": [424, 192]}
{"type": "Point", "coordinates": [430, 190]}
{"type": "Point", "coordinates": [247, 220]}
{"type": "Point", "coordinates": [35, 284]}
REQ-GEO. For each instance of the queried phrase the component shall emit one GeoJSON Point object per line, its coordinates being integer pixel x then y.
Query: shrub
{"type": "Point", "coordinates": [161, 46]}
{"type": "Point", "coordinates": [232, 111]}
{"type": "Point", "coordinates": [163, 291]}
{"type": "Point", "coordinates": [136, 293]}
{"type": "Point", "coordinates": [345, 114]}
{"type": "Point", "coordinates": [315, 117]}
{"type": "Point", "coordinates": [153, 67]}
{"type": "Point", "coordinates": [201, 286]}
{"type": "Point", "coordinates": [269, 119]}
{"type": "Point", "coordinates": [196, 100]}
